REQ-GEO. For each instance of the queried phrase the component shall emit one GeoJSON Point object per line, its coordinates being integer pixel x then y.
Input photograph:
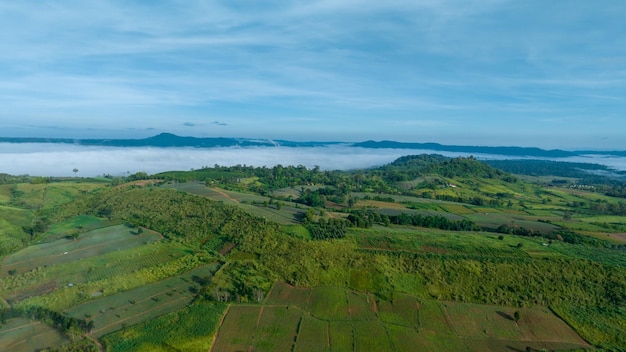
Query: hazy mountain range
{"type": "Point", "coordinates": [168, 140]}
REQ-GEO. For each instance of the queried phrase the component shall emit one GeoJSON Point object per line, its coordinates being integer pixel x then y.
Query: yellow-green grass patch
{"type": "Point", "coordinates": [610, 219]}
{"type": "Point", "coordinates": [5, 193]}
{"type": "Point", "coordinates": [380, 204]}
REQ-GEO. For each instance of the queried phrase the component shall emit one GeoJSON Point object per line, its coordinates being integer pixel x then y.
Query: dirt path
{"type": "Point", "coordinates": [219, 327]}
{"type": "Point", "coordinates": [20, 327]}
{"type": "Point", "coordinates": [224, 194]}
{"type": "Point", "coordinates": [96, 342]}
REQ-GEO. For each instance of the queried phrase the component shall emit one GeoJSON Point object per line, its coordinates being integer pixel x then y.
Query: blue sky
{"type": "Point", "coordinates": [530, 73]}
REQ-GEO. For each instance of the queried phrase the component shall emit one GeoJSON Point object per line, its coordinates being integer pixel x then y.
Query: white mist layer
{"type": "Point", "coordinates": [60, 159]}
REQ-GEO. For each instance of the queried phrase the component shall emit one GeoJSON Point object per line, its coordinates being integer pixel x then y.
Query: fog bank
{"type": "Point", "coordinates": [60, 159]}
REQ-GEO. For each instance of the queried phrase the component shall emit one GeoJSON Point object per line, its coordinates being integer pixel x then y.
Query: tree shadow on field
{"type": "Point", "coordinates": [514, 349]}
{"type": "Point", "coordinates": [505, 316]}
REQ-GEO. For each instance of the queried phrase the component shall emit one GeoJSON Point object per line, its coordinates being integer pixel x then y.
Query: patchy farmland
{"type": "Point", "coordinates": [337, 319]}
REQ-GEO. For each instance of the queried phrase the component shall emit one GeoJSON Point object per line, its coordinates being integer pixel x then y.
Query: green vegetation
{"type": "Point", "coordinates": [190, 329]}
{"type": "Point", "coordinates": [355, 321]}
{"type": "Point", "coordinates": [426, 252]}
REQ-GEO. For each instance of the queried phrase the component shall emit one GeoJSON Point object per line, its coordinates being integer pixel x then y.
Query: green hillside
{"type": "Point", "coordinates": [320, 251]}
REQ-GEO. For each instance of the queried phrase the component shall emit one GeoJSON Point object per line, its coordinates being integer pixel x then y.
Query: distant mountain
{"type": "Point", "coordinates": [168, 140]}
{"type": "Point", "coordinates": [513, 151]}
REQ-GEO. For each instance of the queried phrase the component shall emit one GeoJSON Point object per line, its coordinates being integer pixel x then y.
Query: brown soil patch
{"type": "Point", "coordinates": [227, 248]}
{"type": "Point", "coordinates": [619, 236]}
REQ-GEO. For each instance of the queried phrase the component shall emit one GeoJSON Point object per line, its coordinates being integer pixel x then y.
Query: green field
{"type": "Point", "coordinates": [371, 324]}
{"type": "Point", "coordinates": [23, 335]}
{"type": "Point", "coordinates": [12, 223]}
{"type": "Point", "coordinates": [238, 329]}
{"type": "Point", "coordinates": [190, 329]}
{"type": "Point", "coordinates": [111, 313]}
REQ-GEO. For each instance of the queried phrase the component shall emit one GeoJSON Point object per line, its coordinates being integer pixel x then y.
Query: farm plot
{"type": "Point", "coordinates": [433, 318]}
{"type": "Point", "coordinates": [329, 303]}
{"type": "Point", "coordinates": [23, 335]}
{"type": "Point", "coordinates": [101, 267]}
{"type": "Point", "coordinates": [313, 335]}
{"type": "Point", "coordinates": [277, 328]}
{"type": "Point", "coordinates": [285, 294]}
{"type": "Point", "coordinates": [539, 323]}
{"type": "Point", "coordinates": [287, 215]}
{"type": "Point", "coordinates": [76, 225]}
{"type": "Point", "coordinates": [114, 312]}
{"type": "Point", "coordinates": [189, 329]}
{"type": "Point", "coordinates": [406, 339]}
{"type": "Point", "coordinates": [341, 336]}
{"type": "Point", "coordinates": [487, 327]}
{"type": "Point", "coordinates": [344, 320]}
{"type": "Point", "coordinates": [371, 335]}
{"type": "Point", "coordinates": [237, 330]}
{"type": "Point", "coordinates": [403, 310]}
{"type": "Point", "coordinates": [87, 245]}
{"type": "Point", "coordinates": [362, 306]}
{"type": "Point", "coordinates": [482, 321]}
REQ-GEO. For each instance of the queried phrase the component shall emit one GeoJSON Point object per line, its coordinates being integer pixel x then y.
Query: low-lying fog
{"type": "Point", "coordinates": [60, 159]}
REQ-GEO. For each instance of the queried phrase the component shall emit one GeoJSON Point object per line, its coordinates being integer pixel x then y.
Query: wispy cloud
{"type": "Point", "coordinates": [345, 63]}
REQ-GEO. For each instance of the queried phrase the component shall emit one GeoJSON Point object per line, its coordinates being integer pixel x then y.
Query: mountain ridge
{"type": "Point", "coordinates": [169, 140]}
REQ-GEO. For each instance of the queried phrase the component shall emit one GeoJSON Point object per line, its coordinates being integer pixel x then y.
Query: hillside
{"type": "Point", "coordinates": [387, 255]}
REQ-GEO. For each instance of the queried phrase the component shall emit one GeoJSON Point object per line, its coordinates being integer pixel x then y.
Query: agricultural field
{"type": "Point", "coordinates": [189, 329]}
{"type": "Point", "coordinates": [354, 321]}
{"type": "Point", "coordinates": [24, 335]}
{"type": "Point", "coordinates": [50, 195]}
{"type": "Point", "coordinates": [288, 214]}
{"type": "Point", "coordinates": [114, 312]}
{"type": "Point", "coordinates": [449, 243]}
{"type": "Point", "coordinates": [113, 276]}
{"type": "Point", "coordinates": [88, 246]}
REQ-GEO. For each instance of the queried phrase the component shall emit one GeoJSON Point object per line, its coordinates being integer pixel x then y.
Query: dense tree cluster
{"type": "Point", "coordinates": [328, 229]}
{"type": "Point", "coordinates": [434, 221]}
